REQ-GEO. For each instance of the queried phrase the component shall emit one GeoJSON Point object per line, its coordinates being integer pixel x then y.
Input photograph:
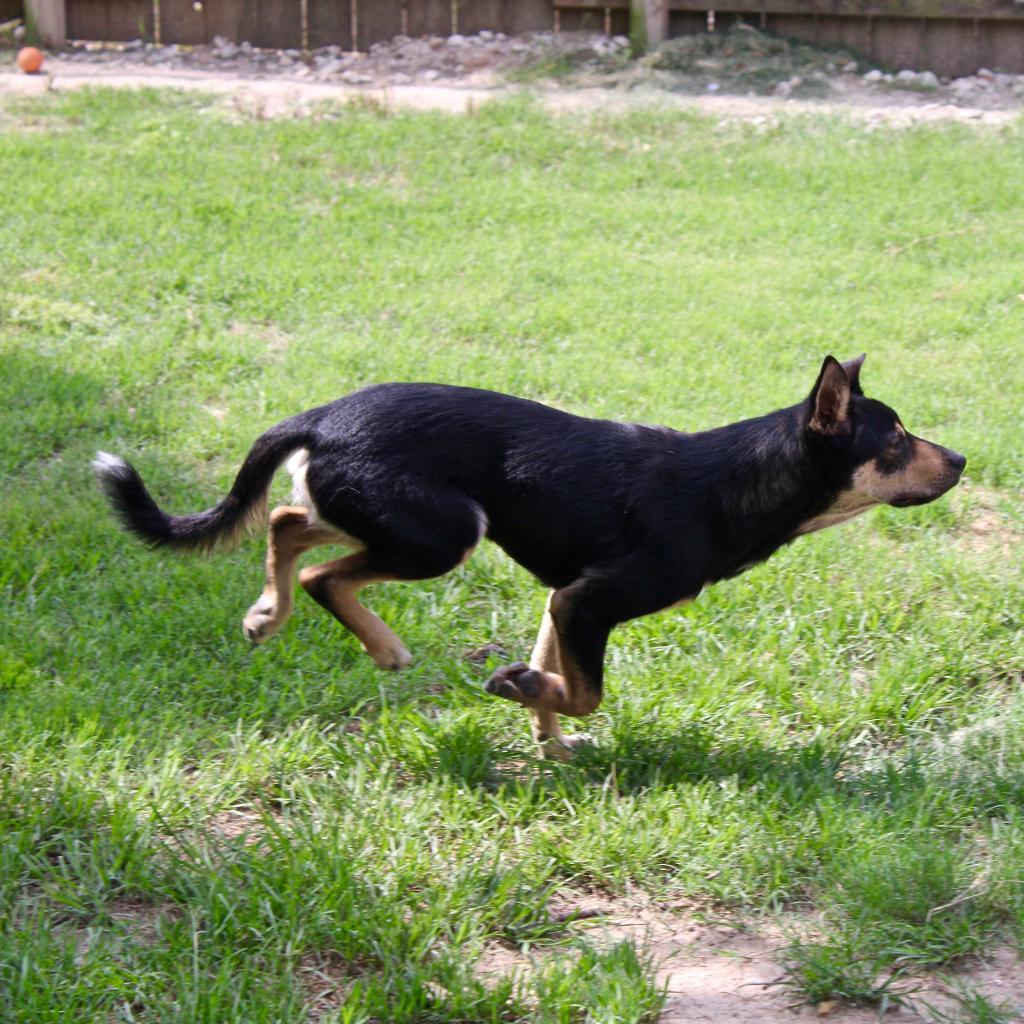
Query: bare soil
{"type": "Point", "coordinates": [732, 971]}
{"type": "Point", "coordinates": [740, 74]}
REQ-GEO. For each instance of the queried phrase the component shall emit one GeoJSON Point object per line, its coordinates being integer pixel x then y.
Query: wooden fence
{"type": "Point", "coordinates": [350, 24]}
{"type": "Point", "coordinates": [952, 37]}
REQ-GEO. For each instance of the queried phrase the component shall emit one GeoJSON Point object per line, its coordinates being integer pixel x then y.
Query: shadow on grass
{"type": "Point", "coordinates": [649, 761]}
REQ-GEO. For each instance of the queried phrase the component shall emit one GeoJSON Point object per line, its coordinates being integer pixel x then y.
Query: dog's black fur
{"type": "Point", "coordinates": [619, 519]}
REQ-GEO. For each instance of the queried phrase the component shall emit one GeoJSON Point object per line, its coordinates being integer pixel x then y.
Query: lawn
{"type": "Point", "coordinates": [194, 830]}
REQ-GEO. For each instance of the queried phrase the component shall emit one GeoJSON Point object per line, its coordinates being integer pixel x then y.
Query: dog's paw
{"type": "Point", "coordinates": [393, 657]}
{"type": "Point", "coordinates": [522, 684]}
{"type": "Point", "coordinates": [514, 682]}
{"type": "Point", "coordinates": [262, 620]}
{"type": "Point", "coordinates": [564, 748]}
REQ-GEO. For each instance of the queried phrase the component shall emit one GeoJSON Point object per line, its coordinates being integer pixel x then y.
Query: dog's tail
{"type": "Point", "coordinates": [217, 527]}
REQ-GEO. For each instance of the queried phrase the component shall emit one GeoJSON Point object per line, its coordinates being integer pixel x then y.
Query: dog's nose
{"type": "Point", "coordinates": [956, 460]}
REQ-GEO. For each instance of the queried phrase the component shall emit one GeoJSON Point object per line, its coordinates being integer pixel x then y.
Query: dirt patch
{"type": "Point", "coordinates": [993, 522]}
{"type": "Point", "coordinates": [742, 73]}
{"type": "Point", "coordinates": [142, 921]}
{"type": "Point", "coordinates": [326, 978]}
{"type": "Point", "coordinates": [733, 970]}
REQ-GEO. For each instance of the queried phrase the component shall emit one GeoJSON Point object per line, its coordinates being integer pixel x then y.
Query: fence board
{"type": "Point", "coordinates": [276, 23]}
{"type": "Point", "coordinates": [110, 19]}
{"type": "Point", "coordinates": [473, 15]}
{"type": "Point", "coordinates": [330, 24]}
{"type": "Point", "coordinates": [583, 18]}
{"type": "Point", "coordinates": [180, 22]}
{"type": "Point", "coordinates": [1000, 45]}
{"type": "Point", "coordinates": [430, 17]}
{"type": "Point", "coordinates": [227, 18]}
{"type": "Point", "coordinates": [528, 16]}
{"type": "Point", "coordinates": [272, 23]}
{"type": "Point", "coordinates": [378, 20]}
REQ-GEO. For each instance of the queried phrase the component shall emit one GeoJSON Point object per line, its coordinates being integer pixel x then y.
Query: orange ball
{"type": "Point", "coordinates": [30, 60]}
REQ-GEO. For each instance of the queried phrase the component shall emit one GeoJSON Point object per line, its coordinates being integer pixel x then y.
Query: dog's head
{"type": "Point", "coordinates": [874, 458]}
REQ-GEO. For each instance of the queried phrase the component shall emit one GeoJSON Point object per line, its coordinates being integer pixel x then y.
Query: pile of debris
{"type": "Point", "coordinates": [740, 61]}
{"type": "Point", "coordinates": [486, 58]}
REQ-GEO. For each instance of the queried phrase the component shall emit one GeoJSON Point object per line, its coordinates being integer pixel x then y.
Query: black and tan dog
{"type": "Point", "coordinates": [619, 520]}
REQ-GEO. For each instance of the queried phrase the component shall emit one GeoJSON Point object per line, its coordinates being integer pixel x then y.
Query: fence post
{"type": "Point", "coordinates": [46, 19]}
{"type": "Point", "coordinates": [648, 24]}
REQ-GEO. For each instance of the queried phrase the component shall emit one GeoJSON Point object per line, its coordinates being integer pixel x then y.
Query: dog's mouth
{"type": "Point", "coordinates": [911, 498]}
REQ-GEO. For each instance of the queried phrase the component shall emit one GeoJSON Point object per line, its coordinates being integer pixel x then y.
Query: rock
{"type": "Point", "coordinates": [485, 35]}
{"type": "Point", "coordinates": [873, 76]}
{"type": "Point", "coordinates": [457, 40]}
{"type": "Point", "coordinates": [906, 76]}
{"type": "Point", "coordinates": [782, 89]}
{"type": "Point", "coordinates": [986, 74]}
{"type": "Point", "coordinates": [355, 77]}
{"type": "Point", "coordinates": [850, 67]}
{"type": "Point", "coordinates": [713, 87]}
{"type": "Point", "coordinates": [401, 78]}
{"type": "Point", "coordinates": [928, 79]}
{"type": "Point", "coordinates": [332, 67]}
{"type": "Point", "coordinates": [430, 75]}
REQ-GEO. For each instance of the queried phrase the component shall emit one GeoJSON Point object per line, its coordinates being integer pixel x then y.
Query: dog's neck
{"type": "Point", "coordinates": [772, 487]}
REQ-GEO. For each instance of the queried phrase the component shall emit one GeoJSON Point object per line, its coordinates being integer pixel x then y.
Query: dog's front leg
{"type": "Point", "coordinates": [547, 733]}
{"type": "Point", "coordinates": [565, 673]}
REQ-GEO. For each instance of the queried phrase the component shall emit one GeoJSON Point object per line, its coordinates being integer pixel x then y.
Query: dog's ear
{"type": "Point", "coordinates": [830, 400]}
{"type": "Point", "coordinates": [852, 368]}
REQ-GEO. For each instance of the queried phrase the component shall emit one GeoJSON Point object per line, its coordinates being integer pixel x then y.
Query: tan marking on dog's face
{"type": "Point", "coordinates": [923, 477]}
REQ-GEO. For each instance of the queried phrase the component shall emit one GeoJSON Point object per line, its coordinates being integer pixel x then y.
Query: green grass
{"type": "Point", "coordinates": [197, 831]}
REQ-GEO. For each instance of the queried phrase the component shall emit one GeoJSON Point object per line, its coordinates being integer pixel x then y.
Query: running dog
{"type": "Point", "coordinates": [618, 519]}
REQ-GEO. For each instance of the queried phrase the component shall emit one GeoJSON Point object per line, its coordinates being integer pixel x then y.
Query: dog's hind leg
{"type": "Point", "coordinates": [334, 586]}
{"type": "Point", "coordinates": [289, 535]}
{"type": "Point", "coordinates": [425, 532]}
{"type": "Point", "coordinates": [580, 615]}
